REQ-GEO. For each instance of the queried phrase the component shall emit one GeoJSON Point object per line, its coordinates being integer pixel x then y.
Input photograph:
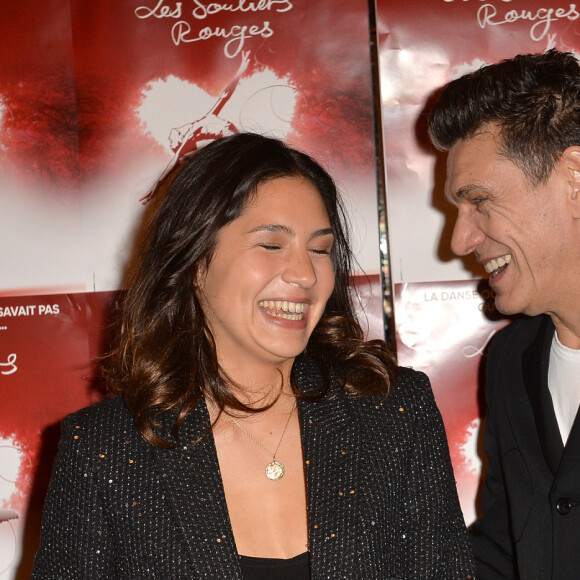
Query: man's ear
{"type": "Point", "coordinates": [571, 161]}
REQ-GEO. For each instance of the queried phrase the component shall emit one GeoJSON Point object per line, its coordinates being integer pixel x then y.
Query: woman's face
{"type": "Point", "coordinates": [270, 276]}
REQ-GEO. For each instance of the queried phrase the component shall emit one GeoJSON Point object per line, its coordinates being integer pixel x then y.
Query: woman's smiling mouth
{"type": "Point", "coordinates": [284, 309]}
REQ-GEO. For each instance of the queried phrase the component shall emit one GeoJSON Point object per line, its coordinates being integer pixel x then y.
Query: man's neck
{"type": "Point", "coordinates": [568, 334]}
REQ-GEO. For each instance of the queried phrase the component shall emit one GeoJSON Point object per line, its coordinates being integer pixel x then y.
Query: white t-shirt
{"type": "Point", "coordinates": [564, 384]}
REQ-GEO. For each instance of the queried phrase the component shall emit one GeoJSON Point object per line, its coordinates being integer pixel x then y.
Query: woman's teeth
{"type": "Point", "coordinates": [284, 309]}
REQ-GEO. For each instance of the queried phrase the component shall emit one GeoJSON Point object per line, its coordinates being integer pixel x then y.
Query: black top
{"type": "Point", "coordinates": [297, 568]}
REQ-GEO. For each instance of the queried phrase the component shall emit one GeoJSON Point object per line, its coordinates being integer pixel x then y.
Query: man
{"type": "Point", "coordinates": [512, 131]}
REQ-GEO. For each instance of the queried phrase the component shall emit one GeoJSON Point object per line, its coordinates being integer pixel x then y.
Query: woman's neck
{"type": "Point", "coordinates": [258, 386]}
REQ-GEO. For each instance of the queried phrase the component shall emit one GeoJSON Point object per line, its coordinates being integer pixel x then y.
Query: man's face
{"type": "Point", "coordinates": [520, 233]}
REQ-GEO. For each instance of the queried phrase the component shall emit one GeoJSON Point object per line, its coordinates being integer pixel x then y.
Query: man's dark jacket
{"type": "Point", "coordinates": [530, 528]}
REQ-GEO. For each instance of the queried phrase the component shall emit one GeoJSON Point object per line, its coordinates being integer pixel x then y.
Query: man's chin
{"type": "Point", "coordinates": [507, 307]}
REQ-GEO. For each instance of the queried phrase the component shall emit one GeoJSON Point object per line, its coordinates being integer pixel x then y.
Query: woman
{"type": "Point", "coordinates": [257, 434]}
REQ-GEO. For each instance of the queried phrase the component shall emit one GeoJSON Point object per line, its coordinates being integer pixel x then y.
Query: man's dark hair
{"type": "Point", "coordinates": [533, 98]}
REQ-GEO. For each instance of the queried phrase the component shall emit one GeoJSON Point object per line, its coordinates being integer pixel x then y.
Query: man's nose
{"type": "Point", "coordinates": [467, 235]}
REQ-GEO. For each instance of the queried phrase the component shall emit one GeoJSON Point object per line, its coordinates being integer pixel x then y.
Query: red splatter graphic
{"type": "Point", "coordinates": [38, 132]}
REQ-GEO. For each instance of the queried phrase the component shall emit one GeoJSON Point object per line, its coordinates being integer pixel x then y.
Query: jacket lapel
{"type": "Point", "coordinates": [535, 363]}
{"type": "Point", "coordinates": [569, 467]}
{"type": "Point", "coordinates": [191, 476]}
{"type": "Point", "coordinates": [333, 452]}
{"type": "Point", "coordinates": [335, 456]}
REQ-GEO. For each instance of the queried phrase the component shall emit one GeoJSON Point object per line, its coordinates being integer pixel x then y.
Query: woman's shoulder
{"type": "Point", "coordinates": [410, 393]}
{"type": "Point", "coordinates": [411, 383]}
{"type": "Point", "coordinates": [408, 384]}
{"type": "Point", "coordinates": [107, 420]}
{"type": "Point", "coordinates": [405, 415]}
{"type": "Point", "coordinates": [101, 442]}
{"type": "Point", "coordinates": [104, 411]}
{"type": "Point", "coordinates": [411, 389]}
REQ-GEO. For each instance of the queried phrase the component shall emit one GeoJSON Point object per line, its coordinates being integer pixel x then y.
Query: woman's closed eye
{"type": "Point", "coordinates": [270, 247]}
{"type": "Point", "coordinates": [321, 251]}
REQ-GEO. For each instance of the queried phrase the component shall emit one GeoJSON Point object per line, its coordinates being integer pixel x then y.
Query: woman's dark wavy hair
{"type": "Point", "coordinates": [535, 100]}
{"type": "Point", "coordinates": [164, 357]}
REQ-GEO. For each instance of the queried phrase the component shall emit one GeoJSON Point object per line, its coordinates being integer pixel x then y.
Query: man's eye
{"type": "Point", "coordinates": [270, 246]}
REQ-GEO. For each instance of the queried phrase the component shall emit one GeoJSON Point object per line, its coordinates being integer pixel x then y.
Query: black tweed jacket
{"type": "Point", "coordinates": [382, 502]}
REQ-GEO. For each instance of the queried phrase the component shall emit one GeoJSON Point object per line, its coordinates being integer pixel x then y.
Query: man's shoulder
{"type": "Point", "coordinates": [520, 333]}
{"type": "Point", "coordinates": [514, 344]}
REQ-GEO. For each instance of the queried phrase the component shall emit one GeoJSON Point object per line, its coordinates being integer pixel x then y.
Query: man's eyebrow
{"type": "Point", "coordinates": [463, 192]}
{"type": "Point", "coordinates": [289, 231]}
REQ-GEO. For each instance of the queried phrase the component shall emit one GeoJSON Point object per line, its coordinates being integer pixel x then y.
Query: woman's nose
{"type": "Point", "coordinates": [299, 270]}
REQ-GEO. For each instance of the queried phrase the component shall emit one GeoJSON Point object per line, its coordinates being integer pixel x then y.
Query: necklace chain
{"type": "Point", "coordinates": [275, 469]}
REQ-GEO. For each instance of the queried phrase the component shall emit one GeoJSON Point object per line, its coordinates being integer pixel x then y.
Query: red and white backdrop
{"type": "Point", "coordinates": [98, 98]}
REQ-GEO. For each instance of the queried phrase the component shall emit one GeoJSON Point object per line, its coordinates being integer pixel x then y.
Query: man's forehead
{"type": "Point", "coordinates": [469, 162]}
{"type": "Point", "coordinates": [487, 141]}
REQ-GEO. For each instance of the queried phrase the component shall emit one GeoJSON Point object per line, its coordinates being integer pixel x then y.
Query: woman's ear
{"type": "Point", "coordinates": [199, 277]}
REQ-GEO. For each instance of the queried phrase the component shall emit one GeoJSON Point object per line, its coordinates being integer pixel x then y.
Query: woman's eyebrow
{"type": "Point", "coordinates": [289, 231]}
{"type": "Point", "coordinates": [322, 232]}
{"type": "Point", "coordinates": [274, 228]}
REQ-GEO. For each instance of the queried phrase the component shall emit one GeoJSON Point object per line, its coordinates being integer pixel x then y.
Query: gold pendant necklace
{"type": "Point", "coordinates": [274, 469]}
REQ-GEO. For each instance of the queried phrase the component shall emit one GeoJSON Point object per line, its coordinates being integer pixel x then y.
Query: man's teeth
{"type": "Point", "coordinates": [284, 309]}
{"type": "Point", "coordinates": [496, 263]}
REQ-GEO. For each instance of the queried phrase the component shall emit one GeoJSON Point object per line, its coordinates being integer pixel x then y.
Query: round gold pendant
{"type": "Point", "coordinates": [274, 470]}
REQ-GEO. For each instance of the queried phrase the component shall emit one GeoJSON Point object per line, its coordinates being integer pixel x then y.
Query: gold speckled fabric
{"type": "Point", "coordinates": [381, 494]}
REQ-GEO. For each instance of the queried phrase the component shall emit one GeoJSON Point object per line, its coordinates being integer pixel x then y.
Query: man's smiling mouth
{"type": "Point", "coordinates": [494, 266]}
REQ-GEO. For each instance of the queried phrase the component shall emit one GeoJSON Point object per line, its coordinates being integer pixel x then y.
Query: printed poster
{"type": "Point", "coordinates": [97, 100]}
